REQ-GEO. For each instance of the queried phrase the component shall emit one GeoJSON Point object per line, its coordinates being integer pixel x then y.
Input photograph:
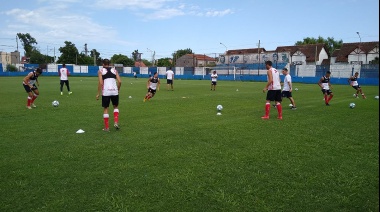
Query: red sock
{"type": "Point", "coordinates": [267, 109]}
{"type": "Point", "coordinates": [279, 110]}
{"type": "Point", "coordinates": [326, 101]}
{"type": "Point", "coordinates": [106, 118]}
{"type": "Point", "coordinates": [29, 101]}
{"type": "Point", "coordinates": [34, 98]}
{"type": "Point", "coordinates": [116, 115]}
{"type": "Point", "coordinates": [329, 98]}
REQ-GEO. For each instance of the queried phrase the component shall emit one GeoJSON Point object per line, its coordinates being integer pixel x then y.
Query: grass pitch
{"type": "Point", "coordinates": [174, 153]}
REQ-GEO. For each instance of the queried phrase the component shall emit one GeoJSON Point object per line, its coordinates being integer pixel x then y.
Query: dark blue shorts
{"type": "Point", "coordinates": [274, 95]}
{"type": "Point", "coordinates": [107, 99]}
{"type": "Point", "coordinates": [168, 81]}
{"type": "Point", "coordinates": [213, 83]}
{"type": "Point", "coordinates": [28, 89]}
{"type": "Point", "coordinates": [356, 87]}
{"type": "Point", "coordinates": [286, 94]}
{"type": "Point", "coordinates": [150, 90]}
{"type": "Point", "coordinates": [327, 92]}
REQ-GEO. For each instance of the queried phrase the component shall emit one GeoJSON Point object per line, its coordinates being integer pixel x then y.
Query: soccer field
{"type": "Point", "coordinates": [174, 153]}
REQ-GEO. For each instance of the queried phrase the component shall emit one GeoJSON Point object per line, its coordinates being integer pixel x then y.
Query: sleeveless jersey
{"type": "Point", "coordinates": [109, 81]}
{"type": "Point", "coordinates": [63, 72]}
{"type": "Point", "coordinates": [153, 83]}
{"type": "Point", "coordinates": [354, 81]}
{"type": "Point", "coordinates": [32, 79]}
{"type": "Point", "coordinates": [276, 84]}
{"type": "Point", "coordinates": [325, 83]}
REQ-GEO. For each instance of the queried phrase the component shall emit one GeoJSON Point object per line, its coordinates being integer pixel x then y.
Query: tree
{"type": "Point", "coordinates": [69, 53]}
{"type": "Point", "coordinates": [99, 60]}
{"type": "Point", "coordinates": [147, 62]}
{"type": "Point", "coordinates": [179, 53]}
{"type": "Point", "coordinates": [27, 42]}
{"type": "Point", "coordinates": [375, 61]}
{"type": "Point", "coordinates": [330, 43]}
{"type": "Point", "coordinates": [122, 59]}
{"type": "Point", "coordinates": [37, 58]}
{"type": "Point", "coordinates": [164, 62]}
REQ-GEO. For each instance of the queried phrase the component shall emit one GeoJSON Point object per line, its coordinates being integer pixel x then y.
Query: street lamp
{"type": "Point", "coordinates": [228, 59]}
{"type": "Point", "coordinates": [152, 55]}
{"type": "Point", "coordinates": [359, 45]}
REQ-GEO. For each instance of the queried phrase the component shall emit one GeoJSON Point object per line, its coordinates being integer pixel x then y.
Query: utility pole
{"type": "Point", "coordinates": [258, 52]}
{"type": "Point", "coordinates": [16, 43]}
{"type": "Point", "coordinates": [359, 46]}
{"type": "Point", "coordinates": [94, 57]}
{"type": "Point", "coordinates": [85, 49]}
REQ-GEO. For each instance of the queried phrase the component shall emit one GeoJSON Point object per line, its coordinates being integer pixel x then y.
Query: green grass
{"type": "Point", "coordinates": [175, 154]}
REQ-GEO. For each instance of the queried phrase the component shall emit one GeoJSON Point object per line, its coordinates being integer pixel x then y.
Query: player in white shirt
{"type": "Point", "coordinates": [287, 89]}
{"type": "Point", "coordinates": [273, 87]}
{"type": "Point", "coordinates": [64, 76]}
{"type": "Point", "coordinates": [169, 78]}
{"type": "Point", "coordinates": [153, 85]}
{"type": "Point", "coordinates": [214, 79]}
{"type": "Point", "coordinates": [325, 85]}
{"type": "Point", "coordinates": [109, 84]}
{"type": "Point", "coordinates": [353, 81]}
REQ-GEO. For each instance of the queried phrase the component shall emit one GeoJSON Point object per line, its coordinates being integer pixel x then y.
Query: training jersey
{"type": "Point", "coordinates": [64, 73]}
{"type": "Point", "coordinates": [32, 79]}
{"type": "Point", "coordinates": [287, 80]}
{"type": "Point", "coordinates": [325, 83]}
{"type": "Point", "coordinates": [214, 77]}
{"type": "Point", "coordinates": [354, 81]}
{"type": "Point", "coordinates": [276, 84]}
{"type": "Point", "coordinates": [169, 74]}
{"type": "Point", "coordinates": [153, 83]}
{"type": "Point", "coordinates": [109, 81]}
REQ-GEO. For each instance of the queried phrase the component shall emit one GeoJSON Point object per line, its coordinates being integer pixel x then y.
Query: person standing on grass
{"type": "Point", "coordinates": [273, 87]}
{"type": "Point", "coordinates": [64, 74]}
{"type": "Point", "coordinates": [152, 85]}
{"type": "Point", "coordinates": [109, 84]}
{"type": "Point", "coordinates": [288, 88]}
{"type": "Point", "coordinates": [214, 79]}
{"type": "Point", "coordinates": [326, 87]}
{"type": "Point", "coordinates": [354, 83]}
{"type": "Point", "coordinates": [169, 78]}
{"type": "Point", "coordinates": [31, 88]}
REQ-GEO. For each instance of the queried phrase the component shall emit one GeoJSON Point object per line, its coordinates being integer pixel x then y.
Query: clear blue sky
{"type": "Point", "coordinates": [164, 26]}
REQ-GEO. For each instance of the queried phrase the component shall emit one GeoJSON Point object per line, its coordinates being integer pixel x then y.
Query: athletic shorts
{"type": "Point", "coordinates": [213, 83]}
{"type": "Point", "coordinates": [328, 92]}
{"type": "Point", "coordinates": [64, 82]}
{"type": "Point", "coordinates": [168, 81]}
{"type": "Point", "coordinates": [150, 90]}
{"type": "Point", "coordinates": [356, 87]}
{"type": "Point", "coordinates": [274, 95]}
{"type": "Point", "coordinates": [28, 89]}
{"type": "Point", "coordinates": [107, 99]}
{"type": "Point", "coordinates": [286, 94]}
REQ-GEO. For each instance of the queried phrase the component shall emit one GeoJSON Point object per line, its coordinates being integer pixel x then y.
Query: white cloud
{"type": "Point", "coordinates": [214, 13]}
{"type": "Point", "coordinates": [131, 4]}
{"type": "Point", "coordinates": [164, 14]}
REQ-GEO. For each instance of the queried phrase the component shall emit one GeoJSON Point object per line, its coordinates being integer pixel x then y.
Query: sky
{"type": "Point", "coordinates": [164, 26]}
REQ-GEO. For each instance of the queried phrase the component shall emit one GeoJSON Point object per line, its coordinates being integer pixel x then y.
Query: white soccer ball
{"type": "Point", "coordinates": [219, 107]}
{"type": "Point", "coordinates": [354, 95]}
{"type": "Point", "coordinates": [352, 105]}
{"type": "Point", "coordinates": [290, 105]}
{"type": "Point", "coordinates": [296, 89]}
{"type": "Point", "coordinates": [376, 97]}
{"type": "Point", "coordinates": [55, 103]}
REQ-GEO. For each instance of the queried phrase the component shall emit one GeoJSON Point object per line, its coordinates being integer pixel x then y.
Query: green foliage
{"type": "Point", "coordinates": [330, 43]}
{"type": "Point", "coordinates": [147, 62]}
{"type": "Point", "coordinates": [375, 61]}
{"type": "Point", "coordinates": [164, 62]}
{"type": "Point", "coordinates": [27, 42]}
{"type": "Point", "coordinates": [174, 154]}
{"type": "Point", "coordinates": [179, 53]}
{"type": "Point", "coordinates": [122, 59]}
{"type": "Point", "coordinates": [99, 60]}
{"type": "Point", "coordinates": [37, 58]}
{"type": "Point", "coordinates": [11, 68]}
{"type": "Point", "coordinates": [69, 53]}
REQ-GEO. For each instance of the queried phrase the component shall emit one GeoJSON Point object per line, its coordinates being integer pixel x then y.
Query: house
{"type": "Point", "coordinates": [356, 53]}
{"type": "Point", "coordinates": [10, 58]}
{"type": "Point", "coordinates": [140, 64]}
{"type": "Point", "coordinates": [195, 60]}
{"type": "Point", "coordinates": [309, 54]}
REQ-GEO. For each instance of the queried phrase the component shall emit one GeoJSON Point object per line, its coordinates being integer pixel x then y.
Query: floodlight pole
{"type": "Point", "coordinates": [359, 45]}
{"type": "Point", "coordinates": [228, 64]}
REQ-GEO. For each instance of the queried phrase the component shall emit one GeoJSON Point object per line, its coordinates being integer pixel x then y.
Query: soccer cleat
{"type": "Point", "coordinates": [144, 100]}
{"type": "Point", "coordinates": [327, 104]}
{"type": "Point", "coordinates": [293, 108]}
{"type": "Point", "coordinates": [106, 129]}
{"type": "Point", "coordinates": [265, 117]}
{"type": "Point", "coordinates": [61, 93]}
{"type": "Point", "coordinates": [280, 117]}
{"type": "Point", "coordinates": [29, 107]}
{"type": "Point", "coordinates": [116, 125]}
{"type": "Point", "coordinates": [70, 92]}
{"type": "Point", "coordinates": [33, 105]}
{"type": "Point", "coordinates": [364, 97]}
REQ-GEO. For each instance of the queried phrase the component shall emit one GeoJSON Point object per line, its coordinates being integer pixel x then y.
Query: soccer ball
{"type": "Point", "coordinates": [55, 103]}
{"type": "Point", "coordinates": [354, 95]}
{"type": "Point", "coordinates": [352, 105]}
{"type": "Point", "coordinates": [376, 97]}
{"type": "Point", "coordinates": [219, 107]}
{"type": "Point", "coordinates": [296, 89]}
{"type": "Point", "coordinates": [290, 105]}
